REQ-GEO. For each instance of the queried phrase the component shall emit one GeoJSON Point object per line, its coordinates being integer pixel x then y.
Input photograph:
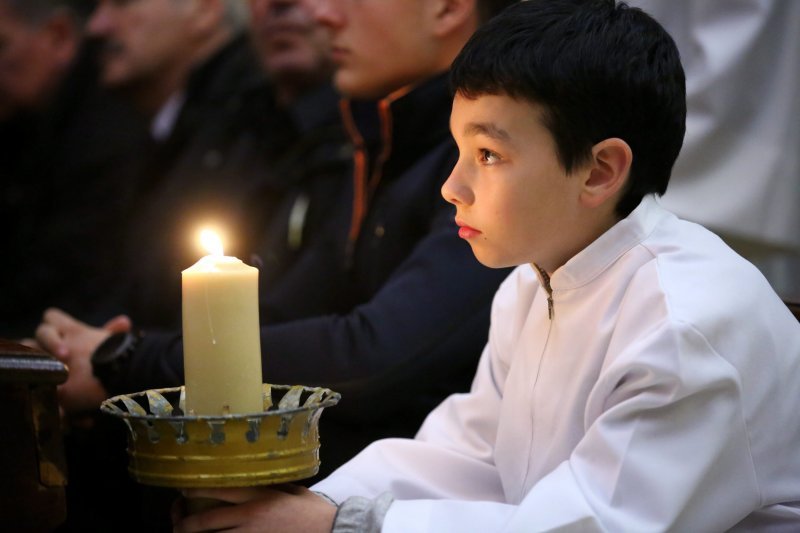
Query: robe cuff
{"type": "Point", "coordinates": [362, 515]}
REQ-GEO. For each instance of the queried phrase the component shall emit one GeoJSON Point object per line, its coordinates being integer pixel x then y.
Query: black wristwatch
{"type": "Point", "coordinates": [109, 358]}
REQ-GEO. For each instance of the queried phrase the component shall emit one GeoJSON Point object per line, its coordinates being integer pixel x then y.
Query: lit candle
{"type": "Point", "coordinates": [221, 343]}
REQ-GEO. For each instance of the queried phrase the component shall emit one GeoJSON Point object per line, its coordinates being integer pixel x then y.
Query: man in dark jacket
{"type": "Point", "coordinates": [202, 174]}
{"type": "Point", "coordinates": [191, 70]}
{"type": "Point", "coordinates": [400, 306]}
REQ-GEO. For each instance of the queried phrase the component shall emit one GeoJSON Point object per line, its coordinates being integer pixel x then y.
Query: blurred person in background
{"type": "Point", "coordinates": [39, 43]}
{"type": "Point", "coordinates": [295, 53]}
{"type": "Point", "coordinates": [190, 69]}
{"type": "Point", "coordinates": [67, 168]}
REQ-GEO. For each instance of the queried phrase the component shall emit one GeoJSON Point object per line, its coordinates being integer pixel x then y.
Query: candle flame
{"type": "Point", "coordinates": [211, 242]}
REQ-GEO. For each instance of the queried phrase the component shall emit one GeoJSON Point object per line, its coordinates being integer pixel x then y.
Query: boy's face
{"type": "Point", "coordinates": [515, 203]}
{"type": "Point", "coordinates": [379, 46]}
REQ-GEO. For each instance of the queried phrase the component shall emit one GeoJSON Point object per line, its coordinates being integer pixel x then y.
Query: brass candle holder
{"type": "Point", "coordinates": [169, 448]}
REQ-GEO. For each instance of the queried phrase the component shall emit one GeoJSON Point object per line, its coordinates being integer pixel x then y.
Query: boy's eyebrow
{"type": "Point", "coordinates": [487, 128]}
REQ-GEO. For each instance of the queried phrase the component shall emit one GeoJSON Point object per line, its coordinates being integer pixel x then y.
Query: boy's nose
{"type": "Point", "coordinates": [455, 191]}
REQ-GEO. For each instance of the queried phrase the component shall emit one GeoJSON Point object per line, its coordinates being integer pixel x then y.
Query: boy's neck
{"type": "Point", "coordinates": [596, 228]}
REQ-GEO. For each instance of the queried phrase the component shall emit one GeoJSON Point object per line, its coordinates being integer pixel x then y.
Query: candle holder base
{"type": "Point", "coordinates": [168, 448]}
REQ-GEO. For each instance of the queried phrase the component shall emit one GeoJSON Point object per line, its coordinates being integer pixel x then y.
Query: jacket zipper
{"type": "Point", "coordinates": [544, 279]}
{"type": "Point", "coordinates": [365, 182]}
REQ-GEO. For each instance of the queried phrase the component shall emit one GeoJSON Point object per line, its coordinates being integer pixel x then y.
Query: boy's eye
{"type": "Point", "coordinates": [487, 156]}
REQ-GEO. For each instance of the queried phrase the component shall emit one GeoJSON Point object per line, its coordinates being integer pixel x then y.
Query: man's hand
{"type": "Point", "coordinates": [66, 337]}
{"type": "Point", "coordinates": [73, 342]}
{"type": "Point", "coordinates": [284, 508]}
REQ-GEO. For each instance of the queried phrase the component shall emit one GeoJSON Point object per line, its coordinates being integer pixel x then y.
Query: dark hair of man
{"type": "Point", "coordinates": [598, 70]}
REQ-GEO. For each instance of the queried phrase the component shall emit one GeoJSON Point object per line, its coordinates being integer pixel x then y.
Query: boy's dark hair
{"type": "Point", "coordinates": [598, 69]}
{"type": "Point", "coordinates": [489, 8]}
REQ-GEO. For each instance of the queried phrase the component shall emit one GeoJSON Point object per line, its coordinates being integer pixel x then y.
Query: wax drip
{"type": "Point", "coordinates": [208, 313]}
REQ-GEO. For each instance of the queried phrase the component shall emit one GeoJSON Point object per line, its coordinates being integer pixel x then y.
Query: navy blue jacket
{"type": "Point", "coordinates": [386, 304]}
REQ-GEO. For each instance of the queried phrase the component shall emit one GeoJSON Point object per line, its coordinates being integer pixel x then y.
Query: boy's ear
{"type": "Point", "coordinates": [451, 14]}
{"type": "Point", "coordinates": [608, 171]}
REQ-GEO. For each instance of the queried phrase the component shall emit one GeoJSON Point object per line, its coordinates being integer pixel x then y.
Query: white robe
{"type": "Point", "coordinates": [664, 394]}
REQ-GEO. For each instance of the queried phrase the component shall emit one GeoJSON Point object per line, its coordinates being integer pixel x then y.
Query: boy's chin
{"type": "Point", "coordinates": [491, 260]}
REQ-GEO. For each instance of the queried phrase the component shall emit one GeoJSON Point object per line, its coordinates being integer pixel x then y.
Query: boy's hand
{"type": "Point", "coordinates": [284, 508]}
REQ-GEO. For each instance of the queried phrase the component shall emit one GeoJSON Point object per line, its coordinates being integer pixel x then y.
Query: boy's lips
{"type": "Point", "coordinates": [466, 232]}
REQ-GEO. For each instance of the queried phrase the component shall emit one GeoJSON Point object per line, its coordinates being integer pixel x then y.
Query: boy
{"type": "Point", "coordinates": [639, 375]}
